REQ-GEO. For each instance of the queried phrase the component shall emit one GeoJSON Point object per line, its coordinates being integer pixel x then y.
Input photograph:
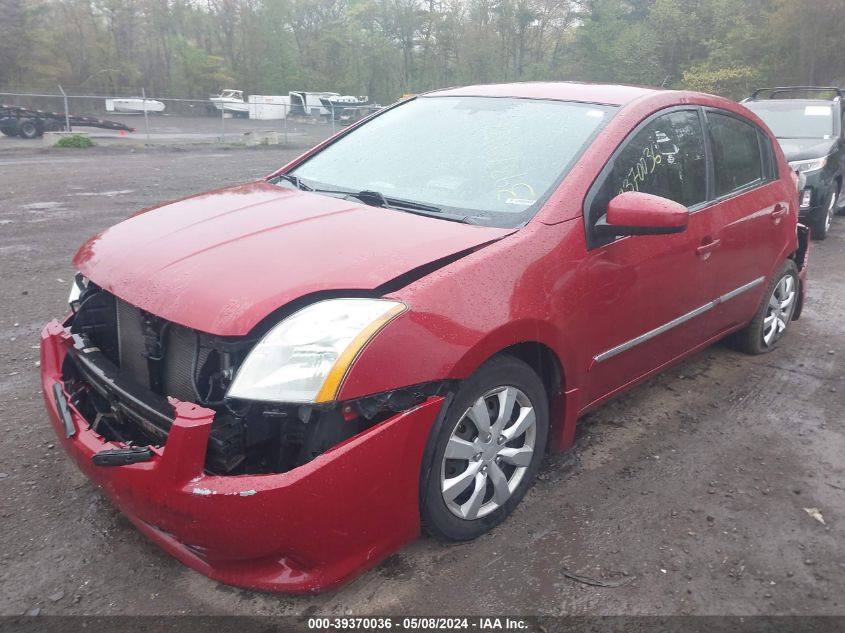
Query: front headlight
{"type": "Point", "coordinates": [804, 166]}
{"type": "Point", "coordinates": [304, 358]}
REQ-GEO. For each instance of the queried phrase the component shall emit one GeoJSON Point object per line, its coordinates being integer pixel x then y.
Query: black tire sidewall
{"type": "Point", "coordinates": [25, 126]}
{"type": "Point", "coordinates": [437, 519]}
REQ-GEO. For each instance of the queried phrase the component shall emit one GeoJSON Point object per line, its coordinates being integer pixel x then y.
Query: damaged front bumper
{"type": "Point", "coordinates": [299, 531]}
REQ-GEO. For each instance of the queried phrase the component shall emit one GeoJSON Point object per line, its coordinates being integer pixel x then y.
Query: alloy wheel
{"type": "Point", "coordinates": [488, 453]}
{"type": "Point", "coordinates": [779, 310]}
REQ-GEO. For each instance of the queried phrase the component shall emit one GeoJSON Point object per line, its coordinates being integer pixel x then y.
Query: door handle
{"type": "Point", "coordinates": [707, 248]}
{"type": "Point", "coordinates": [778, 212]}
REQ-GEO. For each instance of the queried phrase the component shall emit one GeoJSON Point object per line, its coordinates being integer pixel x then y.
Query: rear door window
{"type": "Point", "coordinates": [737, 161]}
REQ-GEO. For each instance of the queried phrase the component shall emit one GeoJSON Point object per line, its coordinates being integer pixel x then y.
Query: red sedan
{"type": "Point", "coordinates": [280, 383]}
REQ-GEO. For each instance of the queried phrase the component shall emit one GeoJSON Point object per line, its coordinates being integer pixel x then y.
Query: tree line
{"type": "Point", "coordinates": [386, 48]}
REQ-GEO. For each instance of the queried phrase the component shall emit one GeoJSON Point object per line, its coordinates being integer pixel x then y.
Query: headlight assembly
{"type": "Point", "coordinates": [804, 166]}
{"type": "Point", "coordinates": [305, 358]}
{"type": "Point", "coordinates": [79, 284]}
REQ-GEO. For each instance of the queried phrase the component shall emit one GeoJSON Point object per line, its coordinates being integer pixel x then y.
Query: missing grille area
{"type": "Point", "coordinates": [130, 336]}
{"type": "Point", "coordinates": [126, 362]}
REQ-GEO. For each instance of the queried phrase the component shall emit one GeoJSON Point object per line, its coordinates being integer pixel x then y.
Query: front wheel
{"type": "Point", "coordinates": [769, 325]}
{"type": "Point", "coordinates": [821, 226]}
{"type": "Point", "coordinates": [484, 453]}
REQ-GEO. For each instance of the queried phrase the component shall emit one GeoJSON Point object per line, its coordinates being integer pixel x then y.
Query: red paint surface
{"type": "Point", "coordinates": [221, 262]}
{"type": "Point", "coordinates": [633, 208]}
{"type": "Point", "coordinates": [608, 94]}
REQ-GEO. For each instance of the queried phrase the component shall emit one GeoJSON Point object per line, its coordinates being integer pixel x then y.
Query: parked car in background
{"type": "Point", "coordinates": [282, 382]}
{"type": "Point", "coordinates": [808, 123]}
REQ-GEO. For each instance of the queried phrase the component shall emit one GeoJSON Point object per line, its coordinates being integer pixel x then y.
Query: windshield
{"type": "Point", "coordinates": [487, 160]}
{"type": "Point", "coordinates": [796, 120]}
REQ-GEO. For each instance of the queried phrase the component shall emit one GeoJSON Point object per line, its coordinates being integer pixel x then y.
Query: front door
{"type": "Point", "coordinates": [648, 295]}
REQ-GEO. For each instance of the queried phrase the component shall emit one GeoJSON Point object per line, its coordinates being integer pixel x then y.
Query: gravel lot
{"type": "Point", "coordinates": [690, 490]}
{"type": "Point", "coordinates": [168, 130]}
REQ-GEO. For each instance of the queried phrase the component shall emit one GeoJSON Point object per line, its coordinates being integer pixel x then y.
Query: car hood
{"type": "Point", "coordinates": [222, 261]}
{"type": "Point", "coordinates": [805, 148]}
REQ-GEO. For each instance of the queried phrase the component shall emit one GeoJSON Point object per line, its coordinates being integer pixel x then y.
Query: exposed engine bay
{"type": "Point", "coordinates": [126, 363]}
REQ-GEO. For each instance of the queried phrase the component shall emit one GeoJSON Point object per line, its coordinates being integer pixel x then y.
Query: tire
{"type": "Point", "coordinates": [28, 129]}
{"type": "Point", "coordinates": [490, 472]}
{"type": "Point", "coordinates": [821, 225]}
{"type": "Point", "coordinates": [53, 126]}
{"type": "Point", "coordinates": [758, 337]}
{"type": "Point", "coordinates": [8, 130]}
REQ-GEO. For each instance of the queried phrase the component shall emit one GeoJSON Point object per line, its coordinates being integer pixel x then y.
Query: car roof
{"type": "Point", "coordinates": [607, 94]}
{"type": "Point", "coordinates": [798, 102]}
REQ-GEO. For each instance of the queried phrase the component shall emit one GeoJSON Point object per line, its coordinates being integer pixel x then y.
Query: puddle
{"type": "Point", "coordinates": [108, 194]}
{"type": "Point", "coordinates": [13, 249]}
{"type": "Point", "coordinates": [42, 206]}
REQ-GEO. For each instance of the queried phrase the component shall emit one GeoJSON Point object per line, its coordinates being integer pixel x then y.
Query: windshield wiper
{"type": "Point", "coordinates": [377, 198]}
{"type": "Point", "coordinates": [295, 181]}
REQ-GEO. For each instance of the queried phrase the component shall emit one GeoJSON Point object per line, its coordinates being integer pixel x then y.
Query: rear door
{"type": "Point", "coordinates": [749, 212]}
{"type": "Point", "coordinates": [645, 294]}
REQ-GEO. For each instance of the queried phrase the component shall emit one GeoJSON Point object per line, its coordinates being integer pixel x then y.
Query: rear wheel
{"type": "Point", "coordinates": [53, 126]}
{"type": "Point", "coordinates": [484, 453]}
{"type": "Point", "coordinates": [821, 226]}
{"type": "Point", "coordinates": [769, 325]}
{"type": "Point", "coordinates": [28, 129]}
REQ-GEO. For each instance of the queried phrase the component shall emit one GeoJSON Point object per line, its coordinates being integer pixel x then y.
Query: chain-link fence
{"type": "Point", "coordinates": [299, 119]}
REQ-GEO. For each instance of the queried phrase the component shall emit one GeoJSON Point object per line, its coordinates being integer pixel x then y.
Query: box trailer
{"type": "Point", "coordinates": [268, 107]}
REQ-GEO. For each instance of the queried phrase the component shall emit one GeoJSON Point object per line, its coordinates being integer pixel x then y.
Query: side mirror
{"type": "Point", "coordinates": [636, 213]}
